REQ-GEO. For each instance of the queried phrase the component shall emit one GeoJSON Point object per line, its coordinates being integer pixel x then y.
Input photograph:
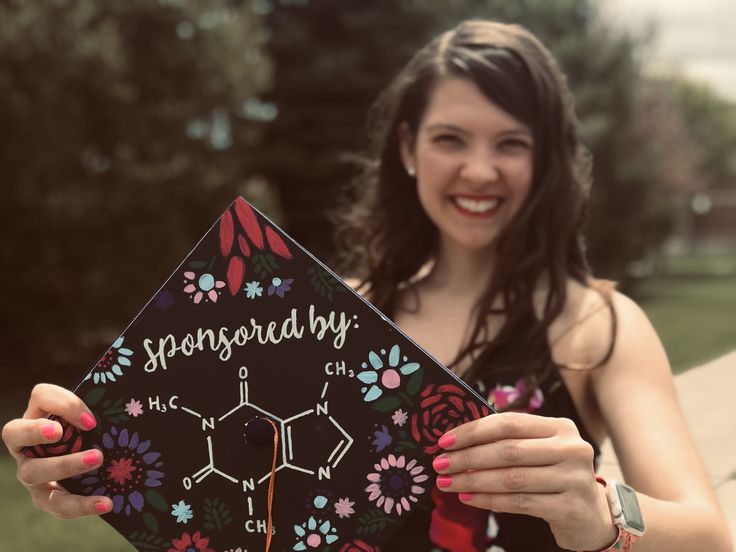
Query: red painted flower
{"type": "Point", "coordinates": [191, 543]}
{"type": "Point", "coordinates": [121, 470]}
{"type": "Point", "coordinates": [70, 442]}
{"type": "Point", "coordinates": [456, 526]}
{"type": "Point", "coordinates": [359, 546]}
{"type": "Point", "coordinates": [441, 408]}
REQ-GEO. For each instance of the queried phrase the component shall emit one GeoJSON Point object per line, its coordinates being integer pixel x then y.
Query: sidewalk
{"type": "Point", "coordinates": [707, 396]}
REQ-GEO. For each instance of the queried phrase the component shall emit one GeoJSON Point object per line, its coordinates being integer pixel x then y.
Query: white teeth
{"type": "Point", "coordinates": [476, 205]}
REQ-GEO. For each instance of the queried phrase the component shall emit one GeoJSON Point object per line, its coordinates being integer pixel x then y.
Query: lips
{"type": "Point", "coordinates": [477, 206]}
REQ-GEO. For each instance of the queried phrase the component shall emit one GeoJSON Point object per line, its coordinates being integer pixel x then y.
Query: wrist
{"type": "Point", "coordinates": [608, 533]}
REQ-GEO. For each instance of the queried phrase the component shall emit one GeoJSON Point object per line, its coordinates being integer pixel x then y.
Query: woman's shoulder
{"type": "Point", "coordinates": [585, 332]}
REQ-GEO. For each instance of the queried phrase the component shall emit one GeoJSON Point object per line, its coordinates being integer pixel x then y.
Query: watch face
{"type": "Point", "coordinates": [630, 507]}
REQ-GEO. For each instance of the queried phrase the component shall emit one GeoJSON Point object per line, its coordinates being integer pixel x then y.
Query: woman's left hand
{"type": "Point", "coordinates": [534, 465]}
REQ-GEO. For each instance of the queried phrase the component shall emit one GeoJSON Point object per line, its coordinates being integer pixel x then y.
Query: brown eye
{"type": "Point", "coordinates": [516, 144]}
{"type": "Point", "coordinates": [447, 139]}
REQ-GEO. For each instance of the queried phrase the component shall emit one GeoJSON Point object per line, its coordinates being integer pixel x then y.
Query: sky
{"type": "Point", "coordinates": [694, 37]}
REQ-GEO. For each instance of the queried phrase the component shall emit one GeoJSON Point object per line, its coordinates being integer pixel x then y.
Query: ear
{"type": "Point", "coordinates": [407, 142]}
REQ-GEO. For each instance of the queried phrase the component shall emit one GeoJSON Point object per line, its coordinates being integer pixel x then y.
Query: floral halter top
{"type": "Point", "coordinates": [447, 525]}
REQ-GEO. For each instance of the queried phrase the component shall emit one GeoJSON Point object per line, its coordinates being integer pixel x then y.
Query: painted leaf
{"type": "Point", "coordinates": [244, 247]}
{"type": "Point", "coordinates": [387, 404]}
{"type": "Point", "coordinates": [248, 220]}
{"type": "Point", "coordinates": [150, 521]}
{"type": "Point", "coordinates": [276, 244]}
{"type": "Point", "coordinates": [226, 233]}
{"type": "Point", "coordinates": [235, 274]}
{"type": "Point", "coordinates": [94, 396]}
{"type": "Point", "coordinates": [415, 382]}
{"type": "Point", "coordinates": [157, 501]}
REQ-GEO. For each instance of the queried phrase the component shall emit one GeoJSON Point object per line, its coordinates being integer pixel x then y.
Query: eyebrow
{"type": "Point", "coordinates": [512, 131]}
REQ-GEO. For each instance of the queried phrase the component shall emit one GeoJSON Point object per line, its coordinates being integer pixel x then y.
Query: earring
{"type": "Point", "coordinates": [411, 171]}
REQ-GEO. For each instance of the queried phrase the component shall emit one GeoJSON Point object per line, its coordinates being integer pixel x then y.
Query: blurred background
{"type": "Point", "coordinates": [128, 127]}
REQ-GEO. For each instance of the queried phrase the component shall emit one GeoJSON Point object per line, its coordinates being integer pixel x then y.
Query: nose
{"type": "Point", "coordinates": [480, 166]}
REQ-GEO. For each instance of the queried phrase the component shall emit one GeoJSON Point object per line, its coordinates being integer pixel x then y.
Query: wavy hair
{"type": "Point", "coordinates": [384, 236]}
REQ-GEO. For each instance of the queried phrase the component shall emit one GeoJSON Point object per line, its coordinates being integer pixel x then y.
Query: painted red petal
{"type": "Point", "coordinates": [226, 233]}
{"type": "Point", "coordinates": [276, 243]}
{"type": "Point", "coordinates": [235, 273]}
{"type": "Point", "coordinates": [244, 247]}
{"type": "Point", "coordinates": [248, 220]}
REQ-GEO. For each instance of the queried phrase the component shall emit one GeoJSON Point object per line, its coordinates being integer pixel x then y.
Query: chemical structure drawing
{"type": "Point", "coordinates": [285, 428]}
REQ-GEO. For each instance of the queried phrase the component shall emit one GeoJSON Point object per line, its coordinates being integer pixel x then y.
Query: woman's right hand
{"type": "Point", "coordinates": [40, 475]}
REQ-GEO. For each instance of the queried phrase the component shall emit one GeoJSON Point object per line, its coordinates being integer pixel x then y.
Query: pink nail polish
{"type": "Point", "coordinates": [102, 507]}
{"type": "Point", "coordinates": [446, 440]}
{"type": "Point", "coordinates": [91, 458]}
{"type": "Point", "coordinates": [440, 463]}
{"type": "Point", "coordinates": [465, 497]}
{"type": "Point", "coordinates": [88, 421]}
{"type": "Point", "coordinates": [444, 481]}
{"type": "Point", "coordinates": [49, 432]}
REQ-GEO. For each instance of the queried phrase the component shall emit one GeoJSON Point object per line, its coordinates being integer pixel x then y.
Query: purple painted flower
{"type": "Point", "coordinates": [128, 470]}
{"type": "Point", "coordinates": [279, 286]}
{"type": "Point", "coordinates": [164, 300]}
{"type": "Point", "coordinates": [382, 438]}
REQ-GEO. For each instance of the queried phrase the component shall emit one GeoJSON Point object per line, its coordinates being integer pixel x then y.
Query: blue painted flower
{"type": "Point", "coordinates": [182, 511]}
{"type": "Point", "coordinates": [382, 438]}
{"type": "Point", "coordinates": [390, 376]}
{"type": "Point", "coordinates": [253, 290]}
{"type": "Point", "coordinates": [279, 286]}
{"type": "Point", "coordinates": [128, 471]}
{"type": "Point", "coordinates": [313, 534]}
{"type": "Point", "coordinates": [110, 366]}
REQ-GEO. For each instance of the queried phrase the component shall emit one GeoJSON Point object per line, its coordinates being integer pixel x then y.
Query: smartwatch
{"type": "Point", "coordinates": [625, 513]}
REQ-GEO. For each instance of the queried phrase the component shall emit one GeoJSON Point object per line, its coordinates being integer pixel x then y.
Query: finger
{"type": "Point", "coordinates": [496, 427]}
{"type": "Point", "coordinates": [21, 433]}
{"type": "Point", "coordinates": [545, 506]}
{"type": "Point", "coordinates": [61, 503]}
{"type": "Point", "coordinates": [37, 471]}
{"type": "Point", "coordinates": [51, 399]}
{"type": "Point", "coordinates": [500, 454]}
{"type": "Point", "coordinates": [506, 480]}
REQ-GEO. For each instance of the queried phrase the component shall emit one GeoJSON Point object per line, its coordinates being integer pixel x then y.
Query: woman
{"type": "Point", "coordinates": [467, 232]}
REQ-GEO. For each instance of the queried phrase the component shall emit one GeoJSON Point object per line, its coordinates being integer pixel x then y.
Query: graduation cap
{"type": "Point", "coordinates": [257, 402]}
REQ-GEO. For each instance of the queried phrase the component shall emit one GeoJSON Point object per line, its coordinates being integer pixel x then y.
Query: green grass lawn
{"type": "Point", "coordinates": [694, 316]}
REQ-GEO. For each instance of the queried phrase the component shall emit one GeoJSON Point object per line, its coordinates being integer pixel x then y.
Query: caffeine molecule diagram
{"type": "Point", "coordinates": [284, 425]}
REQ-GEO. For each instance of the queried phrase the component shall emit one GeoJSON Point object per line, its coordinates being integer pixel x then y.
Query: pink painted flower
{"type": "Point", "coordinates": [203, 287]}
{"type": "Point", "coordinates": [134, 408]}
{"type": "Point", "coordinates": [400, 417]}
{"type": "Point", "coordinates": [503, 395]}
{"type": "Point", "coordinates": [344, 508]}
{"type": "Point", "coordinates": [396, 483]}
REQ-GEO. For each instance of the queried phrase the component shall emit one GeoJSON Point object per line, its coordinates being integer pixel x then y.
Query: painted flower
{"type": "Point", "coordinates": [279, 286]}
{"type": "Point", "coordinates": [503, 395]}
{"type": "Point", "coordinates": [457, 526]}
{"type": "Point", "coordinates": [396, 483]}
{"type": "Point", "coordinates": [182, 512]}
{"type": "Point", "coordinates": [70, 442]}
{"type": "Point", "coordinates": [110, 366]}
{"type": "Point", "coordinates": [441, 408]}
{"type": "Point", "coordinates": [164, 300]}
{"type": "Point", "coordinates": [128, 471]}
{"type": "Point", "coordinates": [382, 438]}
{"type": "Point", "coordinates": [314, 533]}
{"type": "Point", "coordinates": [344, 508]}
{"type": "Point", "coordinates": [317, 500]}
{"type": "Point", "coordinates": [390, 376]}
{"type": "Point", "coordinates": [191, 543]}
{"type": "Point", "coordinates": [358, 545]}
{"type": "Point", "coordinates": [134, 408]}
{"type": "Point", "coordinates": [399, 418]}
{"type": "Point", "coordinates": [203, 287]}
{"type": "Point", "coordinates": [253, 290]}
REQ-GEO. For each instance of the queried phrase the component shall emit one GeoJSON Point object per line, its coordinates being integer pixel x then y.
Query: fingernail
{"type": "Point", "coordinates": [446, 440]}
{"type": "Point", "coordinates": [88, 420]}
{"type": "Point", "coordinates": [444, 481]}
{"type": "Point", "coordinates": [91, 458]}
{"type": "Point", "coordinates": [49, 432]}
{"type": "Point", "coordinates": [465, 497]}
{"type": "Point", "coordinates": [440, 463]}
{"type": "Point", "coordinates": [102, 507]}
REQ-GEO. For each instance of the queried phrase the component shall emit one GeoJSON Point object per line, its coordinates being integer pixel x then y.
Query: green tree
{"type": "Point", "coordinates": [121, 121]}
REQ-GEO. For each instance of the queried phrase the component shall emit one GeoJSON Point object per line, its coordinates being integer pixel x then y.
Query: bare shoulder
{"type": "Point", "coordinates": [583, 333]}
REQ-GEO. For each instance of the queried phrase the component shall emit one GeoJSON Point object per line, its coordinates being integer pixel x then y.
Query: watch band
{"type": "Point", "coordinates": [625, 539]}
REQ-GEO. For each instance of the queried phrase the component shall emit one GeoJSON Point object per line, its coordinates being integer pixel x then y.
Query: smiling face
{"type": "Point", "coordinates": [473, 164]}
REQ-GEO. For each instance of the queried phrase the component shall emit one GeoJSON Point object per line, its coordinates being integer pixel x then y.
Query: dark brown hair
{"type": "Point", "coordinates": [384, 236]}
